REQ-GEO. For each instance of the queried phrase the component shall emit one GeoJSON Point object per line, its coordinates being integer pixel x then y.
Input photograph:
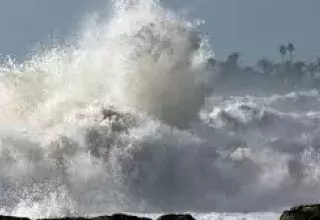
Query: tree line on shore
{"type": "Point", "coordinates": [288, 71]}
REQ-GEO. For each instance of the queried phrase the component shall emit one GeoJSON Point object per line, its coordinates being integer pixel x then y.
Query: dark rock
{"type": "Point", "coordinates": [12, 218]}
{"type": "Point", "coordinates": [303, 212]}
{"type": "Point", "coordinates": [106, 217]}
{"type": "Point", "coordinates": [72, 218]}
{"type": "Point", "coordinates": [117, 216]}
{"type": "Point", "coordinates": [176, 217]}
{"type": "Point", "coordinates": [124, 217]}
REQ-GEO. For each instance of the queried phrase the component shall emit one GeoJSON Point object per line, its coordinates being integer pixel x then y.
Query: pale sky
{"type": "Point", "coordinates": [255, 28]}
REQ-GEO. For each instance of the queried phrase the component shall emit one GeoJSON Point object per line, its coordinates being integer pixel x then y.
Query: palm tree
{"type": "Point", "coordinates": [290, 48]}
{"type": "Point", "coordinates": [283, 51]}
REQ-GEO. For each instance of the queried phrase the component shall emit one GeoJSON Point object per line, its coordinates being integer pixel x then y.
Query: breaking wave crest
{"type": "Point", "coordinates": [169, 146]}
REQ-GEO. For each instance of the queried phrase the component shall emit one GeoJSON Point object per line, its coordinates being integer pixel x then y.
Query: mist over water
{"type": "Point", "coordinates": [178, 147]}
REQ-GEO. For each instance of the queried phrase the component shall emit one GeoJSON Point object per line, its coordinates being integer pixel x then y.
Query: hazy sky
{"type": "Point", "coordinates": [255, 28]}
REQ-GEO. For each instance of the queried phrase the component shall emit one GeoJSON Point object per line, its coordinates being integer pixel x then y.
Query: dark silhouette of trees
{"type": "Point", "coordinates": [312, 68]}
{"type": "Point", "coordinates": [318, 63]}
{"type": "Point", "coordinates": [283, 51]}
{"type": "Point", "coordinates": [265, 65]}
{"type": "Point", "coordinates": [233, 59]}
{"type": "Point", "coordinates": [211, 62]}
{"type": "Point", "coordinates": [298, 67]}
{"type": "Point", "coordinates": [288, 73]}
{"type": "Point", "coordinates": [290, 48]}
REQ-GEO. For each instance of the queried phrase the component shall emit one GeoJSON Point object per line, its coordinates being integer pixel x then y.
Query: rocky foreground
{"type": "Point", "coordinates": [303, 212]}
{"type": "Point", "coordinates": [112, 217]}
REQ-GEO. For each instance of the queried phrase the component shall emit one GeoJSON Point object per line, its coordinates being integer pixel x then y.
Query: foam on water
{"type": "Point", "coordinates": [182, 149]}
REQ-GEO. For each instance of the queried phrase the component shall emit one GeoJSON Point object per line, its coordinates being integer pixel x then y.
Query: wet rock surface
{"type": "Point", "coordinates": [111, 217]}
{"type": "Point", "coordinates": [303, 212]}
{"type": "Point", "coordinates": [176, 217]}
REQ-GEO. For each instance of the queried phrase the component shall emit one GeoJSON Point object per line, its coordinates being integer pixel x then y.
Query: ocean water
{"type": "Point", "coordinates": [179, 147]}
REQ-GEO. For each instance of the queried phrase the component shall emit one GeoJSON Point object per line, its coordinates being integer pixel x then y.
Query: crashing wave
{"type": "Point", "coordinates": [165, 145]}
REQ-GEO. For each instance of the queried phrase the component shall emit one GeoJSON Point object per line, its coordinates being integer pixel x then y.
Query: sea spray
{"type": "Point", "coordinates": [145, 60]}
{"type": "Point", "coordinates": [174, 148]}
